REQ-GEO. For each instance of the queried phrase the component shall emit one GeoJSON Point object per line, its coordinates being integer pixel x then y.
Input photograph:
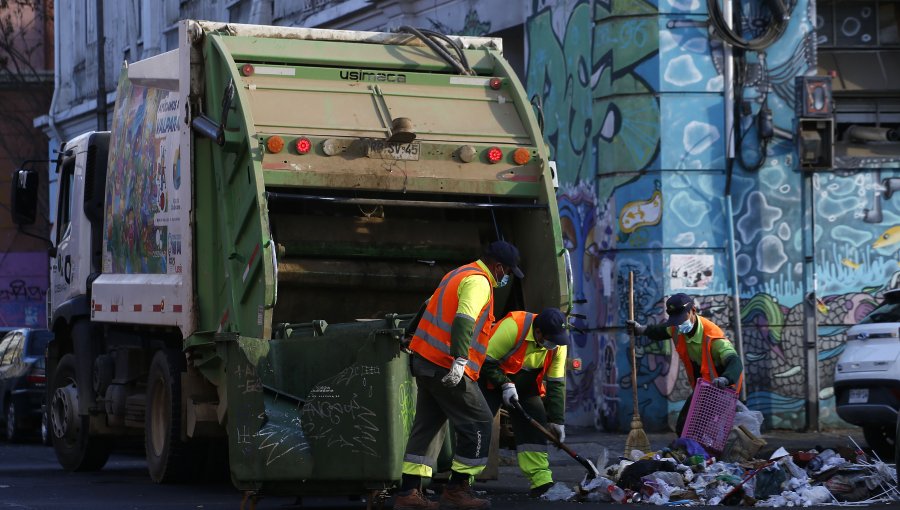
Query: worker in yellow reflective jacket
{"type": "Point", "coordinates": [526, 361]}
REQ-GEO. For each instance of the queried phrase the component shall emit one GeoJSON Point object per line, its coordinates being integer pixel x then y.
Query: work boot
{"type": "Point", "coordinates": [461, 497]}
{"type": "Point", "coordinates": [539, 491]}
{"type": "Point", "coordinates": [414, 500]}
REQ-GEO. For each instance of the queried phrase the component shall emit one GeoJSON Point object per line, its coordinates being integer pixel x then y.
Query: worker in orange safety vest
{"type": "Point", "coordinates": [526, 362]}
{"type": "Point", "coordinates": [702, 346]}
{"type": "Point", "coordinates": [449, 348]}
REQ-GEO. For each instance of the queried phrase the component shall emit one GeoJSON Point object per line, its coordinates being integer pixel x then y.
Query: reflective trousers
{"type": "Point", "coordinates": [466, 409]}
{"type": "Point", "coordinates": [531, 445]}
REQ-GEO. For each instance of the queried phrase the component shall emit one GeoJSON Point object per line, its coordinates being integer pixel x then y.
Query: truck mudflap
{"type": "Point", "coordinates": [317, 405]}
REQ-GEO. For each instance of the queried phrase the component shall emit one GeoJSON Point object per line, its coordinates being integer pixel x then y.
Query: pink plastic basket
{"type": "Point", "coordinates": [710, 416]}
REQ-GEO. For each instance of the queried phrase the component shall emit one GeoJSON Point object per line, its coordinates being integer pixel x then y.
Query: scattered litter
{"type": "Point", "coordinates": [559, 492]}
{"type": "Point", "coordinates": [686, 474]}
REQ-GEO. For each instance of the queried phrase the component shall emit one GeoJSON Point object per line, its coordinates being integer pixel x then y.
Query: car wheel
{"type": "Point", "coordinates": [882, 439]}
{"type": "Point", "coordinates": [13, 428]}
{"type": "Point", "coordinates": [76, 449]}
{"type": "Point", "coordinates": [897, 443]}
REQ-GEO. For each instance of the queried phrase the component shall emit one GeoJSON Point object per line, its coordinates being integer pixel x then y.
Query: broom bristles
{"type": "Point", "coordinates": [637, 438]}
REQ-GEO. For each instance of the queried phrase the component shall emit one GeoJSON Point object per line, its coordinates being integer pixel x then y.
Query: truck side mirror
{"type": "Point", "coordinates": [24, 199]}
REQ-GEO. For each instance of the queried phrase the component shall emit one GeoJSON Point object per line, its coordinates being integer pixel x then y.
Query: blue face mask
{"type": "Point", "coordinates": [685, 327]}
{"type": "Point", "coordinates": [503, 281]}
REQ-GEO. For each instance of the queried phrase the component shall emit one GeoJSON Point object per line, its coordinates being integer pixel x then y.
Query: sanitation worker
{"type": "Point", "coordinates": [702, 346]}
{"type": "Point", "coordinates": [526, 361]}
{"type": "Point", "coordinates": [449, 347]}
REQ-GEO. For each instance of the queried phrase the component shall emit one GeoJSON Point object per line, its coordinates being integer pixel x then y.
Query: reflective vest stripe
{"type": "Point", "coordinates": [437, 318]}
{"type": "Point", "coordinates": [520, 340]}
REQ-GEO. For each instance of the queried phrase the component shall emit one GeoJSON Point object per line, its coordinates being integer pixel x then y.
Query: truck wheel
{"type": "Point", "coordinates": [75, 448]}
{"type": "Point", "coordinates": [168, 458]}
{"type": "Point", "coordinates": [882, 439]}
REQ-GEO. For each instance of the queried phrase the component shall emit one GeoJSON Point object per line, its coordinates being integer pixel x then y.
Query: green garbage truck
{"type": "Point", "coordinates": [237, 261]}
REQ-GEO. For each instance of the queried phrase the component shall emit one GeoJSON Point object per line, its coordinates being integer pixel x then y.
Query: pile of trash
{"type": "Point", "coordinates": [686, 473]}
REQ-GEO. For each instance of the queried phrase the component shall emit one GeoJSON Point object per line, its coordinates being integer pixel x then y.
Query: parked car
{"type": "Point", "coordinates": [23, 381]}
{"type": "Point", "coordinates": [867, 376]}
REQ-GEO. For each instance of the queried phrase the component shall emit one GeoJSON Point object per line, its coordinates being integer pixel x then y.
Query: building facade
{"type": "Point", "coordinates": [26, 81]}
{"type": "Point", "coordinates": [698, 166]}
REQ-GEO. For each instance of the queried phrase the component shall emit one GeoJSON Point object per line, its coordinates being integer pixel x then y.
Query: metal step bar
{"type": "Point", "coordinates": [437, 204]}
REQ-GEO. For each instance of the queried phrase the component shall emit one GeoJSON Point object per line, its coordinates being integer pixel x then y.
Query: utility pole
{"type": "Point", "coordinates": [101, 69]}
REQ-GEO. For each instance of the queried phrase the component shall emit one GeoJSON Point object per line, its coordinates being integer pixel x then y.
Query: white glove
{"type": "Point", "coordinates": [457, 369]}
{"type": "Point", "coordinates": [509, 393]}
{"type": "Point", "coordinates": [635, 327]}
{"type": "Point", "coordinates": [559, 430]}
{"type": "Point", "coordinates": [720, 382]}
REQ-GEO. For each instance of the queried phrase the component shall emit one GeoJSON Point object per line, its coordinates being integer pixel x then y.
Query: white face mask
{"type": "Point", "coordinates": [503, 281]}
{"type": "Point", "coordinates": [685, 327]}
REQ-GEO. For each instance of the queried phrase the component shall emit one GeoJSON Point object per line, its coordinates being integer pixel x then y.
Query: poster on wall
{"type": "Point", "coordinates": [690, 271]}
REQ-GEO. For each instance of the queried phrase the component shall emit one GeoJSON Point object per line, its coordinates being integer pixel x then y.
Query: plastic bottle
{"type": "Point", "coordinates": [819, 460]}
{"type": "Point", "coordinates": [617, 493]}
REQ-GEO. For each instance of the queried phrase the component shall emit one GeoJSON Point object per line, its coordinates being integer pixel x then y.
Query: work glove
{"type": "Point", "coordinates": [720, 382]}
{"type": "Point", "coordinates": [509, 393]}
{"type": "Point", "coordinates": [559, 430]}
{"type": "Point", "coordinates": [457, 370]}
{"type": "Point", "coordinates": [635, 327]}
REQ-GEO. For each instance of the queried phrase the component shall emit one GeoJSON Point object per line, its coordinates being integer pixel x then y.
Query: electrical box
{"type": "Point", "coordinates": [813, 96]}
{"type": "Point", "coordinates": [815, 143]}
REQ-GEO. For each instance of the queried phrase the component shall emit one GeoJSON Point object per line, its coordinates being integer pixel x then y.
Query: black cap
{"type": "Point", "coordinates": [506, 254]}
{"type": "Point", "coordinates": [678, 306]}
{"type": "Point", "coordinates": [553, 326]}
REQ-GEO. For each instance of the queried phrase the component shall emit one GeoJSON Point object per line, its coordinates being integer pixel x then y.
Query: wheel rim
{"type": "Point", "coordinates": [63, 413]}
{"type": "Point", "coordinates": [158, 418]}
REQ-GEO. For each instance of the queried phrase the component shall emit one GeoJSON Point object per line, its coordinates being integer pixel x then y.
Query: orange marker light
{"type": "Point", "coordinates": [303, 145]}
{"type": "Point", "coordinates": [576, 363]}
{"type": "Point", "coordinates": [521, 156]}
{"type": "Point", "coordinates": [275, 144]}
{"type": "Point", "coordinates": [494, 154]}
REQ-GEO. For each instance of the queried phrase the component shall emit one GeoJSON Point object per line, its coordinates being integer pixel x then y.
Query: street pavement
{"type": "Point", "coordinates": [30, 478]}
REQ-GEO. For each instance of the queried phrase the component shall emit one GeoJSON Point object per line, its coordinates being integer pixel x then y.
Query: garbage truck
{"type": "Point", "coordinates": [236, 264]}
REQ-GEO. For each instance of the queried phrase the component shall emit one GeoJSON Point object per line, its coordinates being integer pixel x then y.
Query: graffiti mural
{"type": "Point", "coordinates": [23, 289]}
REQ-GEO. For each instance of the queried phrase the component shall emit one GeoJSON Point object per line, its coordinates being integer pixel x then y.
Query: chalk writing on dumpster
{"type": "Point", "coordinates": [342, 424]}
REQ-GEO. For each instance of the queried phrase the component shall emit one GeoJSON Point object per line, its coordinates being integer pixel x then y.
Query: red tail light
{"type": "Point", "coordinates": [303, 145]}
{"type": "Point", "coordinates": [36, 376]}
{"type": "Point", "coordinates": [494, 154]}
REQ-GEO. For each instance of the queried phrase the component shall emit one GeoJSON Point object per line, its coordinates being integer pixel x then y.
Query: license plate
{"type": "Point", "coordinates": [379, 149]}
{"type": "Point", "coordinates": [858, 396]}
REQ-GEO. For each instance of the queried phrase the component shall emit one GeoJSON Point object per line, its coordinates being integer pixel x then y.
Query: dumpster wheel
{"type": "Point", "coordinates": [376, 499]}
{"type": "Point", "coordinates": [250, 499]}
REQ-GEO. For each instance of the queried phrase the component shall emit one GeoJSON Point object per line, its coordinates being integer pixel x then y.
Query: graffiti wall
{"type": "Point", "coordinates": [23, 289]}
{"type": "Point", "coordinates": [633, 95]}
{"type": "Point", "coordinates": [633, 98]}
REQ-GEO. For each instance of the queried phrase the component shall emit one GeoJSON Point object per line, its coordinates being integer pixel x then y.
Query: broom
{"type": "Point", "coordinates": [637, 438]}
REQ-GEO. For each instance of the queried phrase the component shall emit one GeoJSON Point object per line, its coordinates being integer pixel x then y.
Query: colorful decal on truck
{"type": "Point", "coordinates": [141, 212]}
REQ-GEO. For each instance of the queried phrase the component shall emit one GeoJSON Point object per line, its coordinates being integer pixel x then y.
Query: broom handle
{"type": "Point", "coordinates": [633, 357]}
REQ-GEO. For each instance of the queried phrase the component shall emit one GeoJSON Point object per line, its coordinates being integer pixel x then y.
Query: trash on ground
{"type": "Point", "coordinates": [559, 492]}
{"type": "Point", "coordinates": [685, 473]}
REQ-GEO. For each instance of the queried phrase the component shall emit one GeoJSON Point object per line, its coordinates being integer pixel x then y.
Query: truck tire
{"type": "Point", "coordinates": [168, 457]}
{"type": "Point", "coordinates": [76, 449]}
{"type": "Point", "coordinates": [881, 439]}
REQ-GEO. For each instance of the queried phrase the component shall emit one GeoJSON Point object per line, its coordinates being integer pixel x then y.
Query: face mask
{"type": "Point", "coordinates": [685, 327]}
{"type": "Point", "coordinates": [503, 281]}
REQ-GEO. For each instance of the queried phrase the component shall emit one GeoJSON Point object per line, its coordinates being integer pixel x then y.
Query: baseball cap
{"type": "Point", "coordinates": [677, 307]}
{"type": "Point", "coordinates": [506, 254]}
{"type": "Point", "coordinates": [552, 324]}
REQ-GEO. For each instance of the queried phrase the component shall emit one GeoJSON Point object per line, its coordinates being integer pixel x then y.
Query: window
{"type": "Point", "coordinates": [13, 352]}
{"type": "Point", "coordinates": [65, 208]}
